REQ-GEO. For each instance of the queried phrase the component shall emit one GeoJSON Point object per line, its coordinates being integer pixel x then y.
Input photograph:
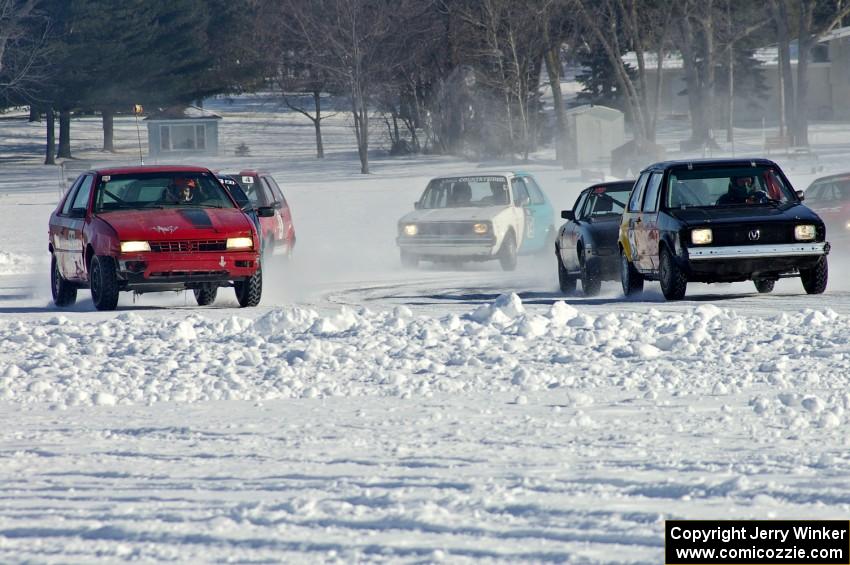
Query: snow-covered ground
{"type": "Point", "coordinates": [368, 413]}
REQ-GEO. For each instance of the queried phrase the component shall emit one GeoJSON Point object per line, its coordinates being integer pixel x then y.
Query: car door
{"type": "Point", "coordinates": [569, 234]}
{"type": "Point", "coordinates": [279, 229]}
{"type": "Point", "coordinates": [541, 213]}
{"type": "Point", "coordinates": [646, 236]}
{"type": "Point", "coordinates": [632, 220]}
{"type": "Point", "coordinates": [68, 242]}
{"type": "Point", "coordinates": [521, 215]}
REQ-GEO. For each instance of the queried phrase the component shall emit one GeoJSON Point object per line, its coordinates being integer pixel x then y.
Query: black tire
{"type": "Point", "coordinates": [566, 283]}
{"type": "Point", "coordinates": [630, 278]}
{"type": "Point", "coordinates": [64, 293]}
{"type": "Point", "coordinates": [814, 279]}
{"type": "Point", "coordinates": [409, 260]}
{"type": "Point", "coordinates": [103, 282]}
{"type": "Point", "coordinates": [508, 253]}
{"type": "Point", "coordinates": [206, 295]}
{"type": "Point", "coordinates": [674, 283]}
{"type": "Point", "coordinates": [591, 284]}
{"type": "Point", "coordinates": [249, 292]}
{"type": "Point", "coordinates": [764, 286]}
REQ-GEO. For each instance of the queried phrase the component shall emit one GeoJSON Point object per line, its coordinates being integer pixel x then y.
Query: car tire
{"type": "Point", "coordinates": [508, 253]}
{"type": "Point", "coordinates": [630, 278]}
{"type": "Point", "coordinates": [103, 281]}
{"type": "Point", "coordinates": [409, 260]}
{"type": "Point", "coordinates": [566, 283]}
{"type": "Point", "coordinates": [591, 284]}
{"type": "Point", "coordinates": [814, 279]}
{"type": "Point", "coordinates": [674, 283]}
{"type": "Point", "coordinates": [249, 291]}
{"type": "Point", "coordinates": [205, 295]}
{"type": "Point", "coordinates": [764, 286]}
{"type": "Point", "coordinates": [64, 293]}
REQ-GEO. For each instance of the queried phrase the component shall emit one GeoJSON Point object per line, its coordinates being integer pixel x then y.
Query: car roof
{"type": "Point", "coordinates": [611, 184]}
{"type": "Point", "coordinates": [481, 174]}
{"type": "Point", "coordinates": [706, 163]}
{"type": "Point", "coordinates": [837, 176]}
{"type": "Point", "coordinates": [151, 169]}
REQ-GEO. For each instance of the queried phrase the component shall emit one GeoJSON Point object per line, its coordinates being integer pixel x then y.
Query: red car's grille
{"type": "Point", "coordinates": [188, 246]}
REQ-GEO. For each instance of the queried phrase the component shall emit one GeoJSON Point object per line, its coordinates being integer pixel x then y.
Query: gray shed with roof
{"type": "Point", "coordinates": [182, 132]}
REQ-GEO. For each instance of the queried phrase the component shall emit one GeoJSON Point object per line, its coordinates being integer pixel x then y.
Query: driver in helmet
{"type": "Point", "coordinates": [739, 192]}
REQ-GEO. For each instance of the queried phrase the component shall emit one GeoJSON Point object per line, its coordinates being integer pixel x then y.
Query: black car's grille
{"type": "Point", "coordinates": [446, 228]}
{"type": "Point", "coordinates": [188, 246]}
{"type": "Point", "coordinates": [754, 234]}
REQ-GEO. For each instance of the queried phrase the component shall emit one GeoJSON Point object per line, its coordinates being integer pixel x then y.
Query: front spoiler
{"type": "Point", "coordinates": [758, 251]}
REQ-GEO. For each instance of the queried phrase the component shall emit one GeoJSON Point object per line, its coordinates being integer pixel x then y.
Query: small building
{"type": "Point", "coordinates": [182, 132]}
{"type": "Point", "coordinates": [594, 131]}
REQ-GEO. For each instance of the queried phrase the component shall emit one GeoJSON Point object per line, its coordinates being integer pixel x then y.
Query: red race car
{"type": "Point", "coordinates": [277, 231]}
{"type": "Point", "coordinates": [152, 229]}
{"type": "Point", "coordinates": [829, 197]}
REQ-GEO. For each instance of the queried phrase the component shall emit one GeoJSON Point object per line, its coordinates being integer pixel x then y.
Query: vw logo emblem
{"type": "Point", "coordinates": [754, 235]}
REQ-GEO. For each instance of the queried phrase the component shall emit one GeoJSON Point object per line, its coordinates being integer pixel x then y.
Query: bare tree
{"type": "Point", "coordinates": [23, 48]}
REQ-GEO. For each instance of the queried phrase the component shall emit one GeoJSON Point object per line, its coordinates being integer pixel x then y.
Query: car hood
{"type": "Point", "coordinates": [469, 214]}
{"type": "Point", "coordinates": [177, 223]}
{"type": "Point", "coordinates": [739, 214]}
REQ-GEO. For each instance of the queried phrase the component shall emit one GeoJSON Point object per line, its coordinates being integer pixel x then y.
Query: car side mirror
{"type": "Point", "coordinates": [417, 205]}
{"type": "Point", "coordinates": [801, 195]}
{"type": "Point", "coordinates": [265, 211]}
{"type": "Point", "coordinates": [77, 213]}
{"type": "Point", "coordinates": [568, 215]}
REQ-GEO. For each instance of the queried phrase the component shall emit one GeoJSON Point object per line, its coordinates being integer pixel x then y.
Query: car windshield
{"type": "Point", "coordinates": [829, 191]}
{"type": "Point", "coordinates": [733, 186]}
{"type": "Point", "coordinates": [462, 192]}
{"type": "Point", "coordinates": [139, 191]}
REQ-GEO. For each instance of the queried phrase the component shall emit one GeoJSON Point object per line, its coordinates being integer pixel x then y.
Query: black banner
{"type": "Point", "coordinates": [762, 542]}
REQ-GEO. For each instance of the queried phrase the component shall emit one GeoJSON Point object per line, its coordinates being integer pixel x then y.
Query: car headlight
{"type": "Point", "coordinates": [805, 232]}
{"type": "Point", "coordinates": [481, 229]}
{"type": "Point", "coordinates": [134, 246]}
{"type": "Point", "coordinates": [239, 243]}
{"type": "Point", "coordinates": [702, 236]}
{"type": "Point", "coordinates": [847, 225]}
{"type": "Point", "coordinates": [410, 229]}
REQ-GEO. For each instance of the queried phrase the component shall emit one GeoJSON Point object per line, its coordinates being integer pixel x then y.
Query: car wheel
{"type": "Point", "coordinates": [591, 284]}
{"type": "Point", "coordinates": [409, 260]}
{"type": "Point", "coordinates": [565, 281]}
{"type": "Point", "coordinates": [673, 280]}
{"type": "Point", "coordinates": [814, 279]}
{"type": "Point", "coordinates": [764, 286]}
{"type": "Point", "coordinates": [630, 278]}
{"type": "Point", "coordinates": [64, 293]}
{"type": "Point", "coordinates": [104, 283]}
{"type": "Point", "coordinates": [508, 253]}
{"type": "Point", "coordinates": [205, 295]}
{"type": "Point", "coordinates": [249, 291]}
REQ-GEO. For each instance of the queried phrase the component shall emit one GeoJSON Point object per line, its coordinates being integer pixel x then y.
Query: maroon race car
{"type": "Point", "coordinates": [152, 229]}
{"type": "Point", "coordinates": [276, 231]}
{"type": "Point", "coordinates": [830, 198]}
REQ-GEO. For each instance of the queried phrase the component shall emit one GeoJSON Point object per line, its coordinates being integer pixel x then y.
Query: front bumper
{"type": "Point", "coordinates": [747, 262]}
{"type": "Point", "coordinates": [758, 251]}
{"type": "Point", "coordinates": [150, 272]}
{"type": "Point", "coordinates": [481, 247]}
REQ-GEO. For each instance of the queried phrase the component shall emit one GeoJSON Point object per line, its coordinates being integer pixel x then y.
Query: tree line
{"type": "Point", "coordinates": [450, 76]}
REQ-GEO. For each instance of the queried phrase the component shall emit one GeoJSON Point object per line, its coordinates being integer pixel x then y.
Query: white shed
{"type": "Point", "coordinates": [594, 132]}
{"type": "Point", "coordinates": [182, 131]}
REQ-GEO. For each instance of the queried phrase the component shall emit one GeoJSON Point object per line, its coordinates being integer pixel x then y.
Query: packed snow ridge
{"type": "Point", "coordinates": [294, 352]}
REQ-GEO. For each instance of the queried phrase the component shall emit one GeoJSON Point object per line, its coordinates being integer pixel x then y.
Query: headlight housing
{"type": "Point", "coordinates": [410, 229]}
{"type": "Point", "coordinates": [135, 246]}
{"type": "Point", "coordinates": [702, 236]}
{"type": "Point", "coordinates": [481, 228]}
{"type": "Point", "coordinates": [804, 232]}
{"type": "Point", "coordinates": [240, 243]}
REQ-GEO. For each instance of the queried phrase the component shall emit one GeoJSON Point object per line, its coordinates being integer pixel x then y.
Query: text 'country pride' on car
{"type": "Point", "coordinates": [719, 220]}
{"type": "Point", "coordinates": [152, 229]}
{"type": "Point", "coordinates": [477, 217]}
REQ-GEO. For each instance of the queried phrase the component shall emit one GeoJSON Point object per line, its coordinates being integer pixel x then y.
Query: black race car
{"type": "Point", "coordinates": [586, 246]}
{"type": "Point", "coordinates": [719, 220]}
